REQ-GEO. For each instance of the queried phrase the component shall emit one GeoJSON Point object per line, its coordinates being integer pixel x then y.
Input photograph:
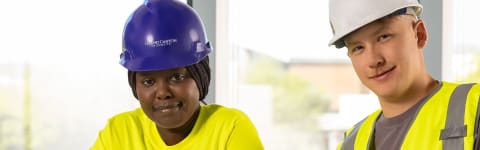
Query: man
{"type": "Point", "coordinates": [385, 41]}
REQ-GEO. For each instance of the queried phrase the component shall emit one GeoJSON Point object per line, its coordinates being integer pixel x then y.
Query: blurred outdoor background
{"type": "Point", "coordinates": [60, 79]}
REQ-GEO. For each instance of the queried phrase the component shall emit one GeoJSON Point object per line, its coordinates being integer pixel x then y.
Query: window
{"type": "Point", "coordinates": [60, 79]}
{"type": "Point", "coordinates": [276, 66]}
{"type": "Point", "coordinates": [465, 63]}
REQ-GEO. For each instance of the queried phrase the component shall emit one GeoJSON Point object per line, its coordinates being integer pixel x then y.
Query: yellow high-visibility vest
{"type": "Point", "coordinates": [445, 121]}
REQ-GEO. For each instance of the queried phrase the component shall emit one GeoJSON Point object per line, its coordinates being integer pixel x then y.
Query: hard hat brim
{"type": "Point", "coordinates": [351, 26]}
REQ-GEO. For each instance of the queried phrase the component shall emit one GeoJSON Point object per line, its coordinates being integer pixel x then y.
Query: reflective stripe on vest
{"type": "Point", "coordinates": [430, 121]}
{"type": "Point", "coordinates": [477, 127]}
{"type": "Point", "coordinates": [352, 142]}
{"type": "Point", "coordinates": [350, 137]}
{"type": "Point", "coordinates": [455, 129]}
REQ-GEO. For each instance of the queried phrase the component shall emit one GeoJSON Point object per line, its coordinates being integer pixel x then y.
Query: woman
{"type": "Point", "coordinates": [165, 51]}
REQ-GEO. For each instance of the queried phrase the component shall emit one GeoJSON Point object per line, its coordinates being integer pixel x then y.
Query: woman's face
{"type": "Point", "coordinates": [169, 97]}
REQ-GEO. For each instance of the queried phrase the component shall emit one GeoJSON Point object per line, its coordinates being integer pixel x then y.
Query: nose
{"type": "Point", "coordinates": [377, 62]}
{"type": "Point", "coordinates": [376, 59]}
{"type": "Point", "coordinates": [163, 90]}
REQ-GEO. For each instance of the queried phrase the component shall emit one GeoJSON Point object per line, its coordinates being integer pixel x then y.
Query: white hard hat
{"type": "Point", "coordinates": [347, 16]}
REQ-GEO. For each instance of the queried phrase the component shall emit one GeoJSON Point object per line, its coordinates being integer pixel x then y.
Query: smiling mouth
{"type": "Point", "coordinates": [383, 73]}
{"type": "Point", "coordinates": [168, 107]}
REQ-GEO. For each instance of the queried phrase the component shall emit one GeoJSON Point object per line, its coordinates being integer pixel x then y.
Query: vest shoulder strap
{"type": "Point", "coordinates": [455, 128]}
{"type": "Point", "coordinates": [364, 129]}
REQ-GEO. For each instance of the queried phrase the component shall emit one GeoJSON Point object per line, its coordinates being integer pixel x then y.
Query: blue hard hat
{"type": "Point", "coordinates": [163, 34]}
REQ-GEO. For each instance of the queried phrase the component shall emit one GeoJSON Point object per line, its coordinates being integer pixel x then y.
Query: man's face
{"type": "Point", "coordinates": [168, 97]}
{"type": "Point", "coordinates": [387, 54]}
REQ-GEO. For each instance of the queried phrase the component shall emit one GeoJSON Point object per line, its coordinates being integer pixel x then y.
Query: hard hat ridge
{"type": "Point", "coordinates": [347, 16]}
{"type": "Point", "coordinates": [163, 34]}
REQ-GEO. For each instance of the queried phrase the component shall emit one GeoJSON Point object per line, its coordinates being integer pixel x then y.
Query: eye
{"type": "Point", "coordinates": [148, 82]}
{"type": "Point", "coordinates": [384, 37]}
{"type": "Point", "coordinates": [177, 77]}
{"type": "Point", "coordinates": [356, 49]}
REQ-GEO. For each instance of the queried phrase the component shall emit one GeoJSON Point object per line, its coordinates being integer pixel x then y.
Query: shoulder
{"type": "Point", "coordinates": [222, 113]}
{"type": "Point", "coordinates": [476, 88]}
{"type": "Point", "coordinates": [132, 117]}
{"type": "Point", "coordinates": [124, 131]}
{"type": "Point", "coordinates": [133, 114]}
{"type": "Point", "coordinates": [366, 122]}
{"type": "Point", "coordinates": [473, 88]}
{"type": "Point", "coordinates": [133, 124]}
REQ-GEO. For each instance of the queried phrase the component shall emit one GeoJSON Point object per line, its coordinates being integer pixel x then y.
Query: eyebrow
{"type": "Point", "coordinates": [384, 25]}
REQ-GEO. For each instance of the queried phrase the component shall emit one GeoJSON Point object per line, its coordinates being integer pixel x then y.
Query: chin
{"type": "Point", "coordinates": [169, 125]}
{"type": "Point", "coordinates": [386, 94]}
{"type": "Point", "coordinates": [383, 91]}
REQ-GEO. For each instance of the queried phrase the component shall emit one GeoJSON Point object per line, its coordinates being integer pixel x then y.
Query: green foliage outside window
{"type": "Point", "coordinates": [296, 102]}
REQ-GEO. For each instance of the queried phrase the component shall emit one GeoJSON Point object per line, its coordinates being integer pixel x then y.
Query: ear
{"type": "Point", "coordinates": [421, 33]}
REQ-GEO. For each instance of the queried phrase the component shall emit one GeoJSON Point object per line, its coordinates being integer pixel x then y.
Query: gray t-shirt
{"type": "Point", "coordinates": [390, 132]}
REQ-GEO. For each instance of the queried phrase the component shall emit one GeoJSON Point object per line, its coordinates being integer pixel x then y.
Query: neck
{"type": "Point", "coordinates": [175, 135]}
{"type": "Point", "coordinates": [394, 106]}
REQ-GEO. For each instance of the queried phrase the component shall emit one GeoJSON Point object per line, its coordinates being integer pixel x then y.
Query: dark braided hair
{"type": "Point", "coordinates": [200, 72]}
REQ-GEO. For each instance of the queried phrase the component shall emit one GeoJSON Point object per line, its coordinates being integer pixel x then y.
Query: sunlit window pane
{"type": "Point", "coordinates": [466, 59]}
{"type": "Point", "coordinates": [284, 76]}
{"type": "Point", "coordinates": [60, 79]}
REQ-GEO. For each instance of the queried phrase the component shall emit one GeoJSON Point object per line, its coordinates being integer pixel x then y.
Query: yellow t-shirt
{"type": "Point", "coordinates": [216, 128]}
